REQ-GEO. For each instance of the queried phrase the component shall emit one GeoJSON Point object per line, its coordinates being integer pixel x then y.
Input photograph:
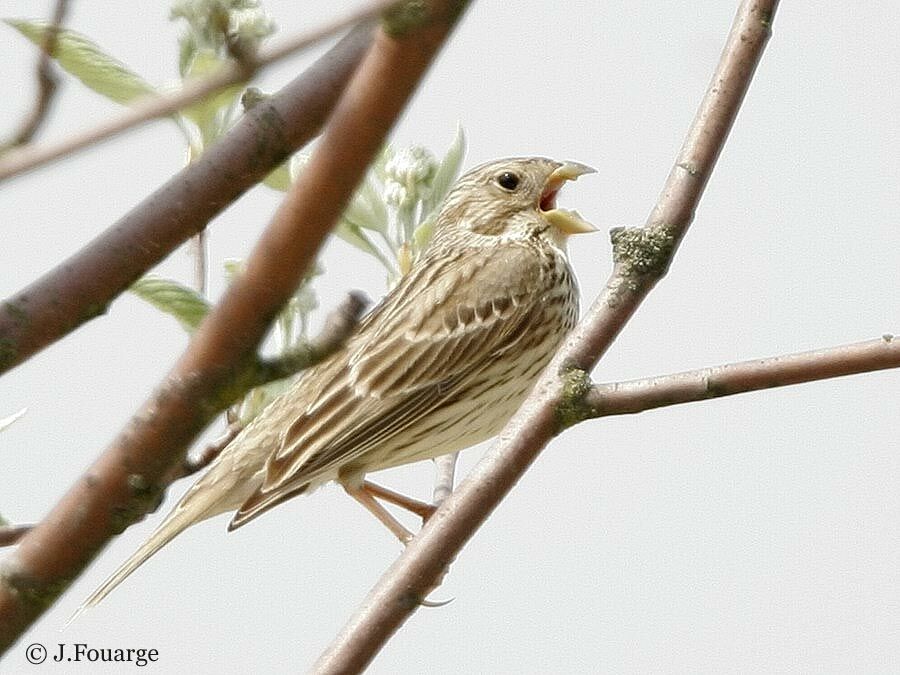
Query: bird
{"type": "Point", "coordinates": [440, 364]}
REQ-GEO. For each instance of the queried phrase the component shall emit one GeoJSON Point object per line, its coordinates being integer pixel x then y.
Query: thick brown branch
{"type": "Point", "coordinates": [81, 287]}
{"type": "Point", "coordinates": [622, 398]}
{"type": "Point", "coordinates": [125, 481]}
{"type": "Point", "coordinates": [647, 254]}
{"type": "Point", "coordinates": [156, 106]}
{"type": "Point", "coordinates": [46, 81]}
{"type": "Point", "coordinates": [338, 325]}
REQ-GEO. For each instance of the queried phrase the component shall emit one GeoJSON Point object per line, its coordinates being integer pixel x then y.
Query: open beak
{"type": "Point", "coordinates": [567, 222]}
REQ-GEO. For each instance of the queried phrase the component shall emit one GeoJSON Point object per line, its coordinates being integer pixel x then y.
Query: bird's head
{"type": "Point", "coordinates": [512, 198]}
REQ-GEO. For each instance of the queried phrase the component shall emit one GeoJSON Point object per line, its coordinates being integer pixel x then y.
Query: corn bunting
{"type": "Point", "coordinates": [441, 363]}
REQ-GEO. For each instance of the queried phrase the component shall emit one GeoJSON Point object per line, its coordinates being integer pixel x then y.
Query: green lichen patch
{"type": "Point", "coordinates": [572, 407]}
{"type": "Point", "coordinates": [643, 251]}
{"type": "Point", "coordinates": [404, 17]}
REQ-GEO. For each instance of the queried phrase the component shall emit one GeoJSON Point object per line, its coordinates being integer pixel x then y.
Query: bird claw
{"type": "Point", "coordinates": [435, 603]}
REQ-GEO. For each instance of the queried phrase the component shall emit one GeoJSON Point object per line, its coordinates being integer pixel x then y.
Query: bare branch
{"type": "Point", "coordinates": [444, 477]}
{"type": "Point", "coordinates": [191, 464]}
{"type": "Point", "coordinates": [11, 534]}
{"type": "Point", "coordinates": [161, 105]}
{"type": "Point", "coordinates": [634, 396]}
{"type": "Point", "coordinates": [126, 480]}
{"type": "Point", "coordinates": [199, 251]}
{"type": "Point", "coordinates": [623, 398]}
{"type": "Point", "coordinates": [82, 287]}
{"type": "Point", "coordinates": [46, 81]}
{"type": "Point", "coordinates": [642, 257]}
{"type": "Point", "coordinates": [338, 325]}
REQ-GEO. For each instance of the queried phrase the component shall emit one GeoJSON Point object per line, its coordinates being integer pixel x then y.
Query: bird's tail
{"type": "Point", "coordinates": [227, 483]}
{"type": "Point", "coordinates": [178, 521]}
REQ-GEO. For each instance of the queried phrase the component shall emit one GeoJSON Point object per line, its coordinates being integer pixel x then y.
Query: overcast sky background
{"type": "Point", "coordinates": [755, 533]}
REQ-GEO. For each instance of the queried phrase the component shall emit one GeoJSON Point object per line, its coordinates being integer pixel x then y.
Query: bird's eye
{"type": "Point", "coordinates": [508, 180]}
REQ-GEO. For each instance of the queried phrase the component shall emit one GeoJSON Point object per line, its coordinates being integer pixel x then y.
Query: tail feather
{"type": "Point", "coordinates": [232, 477]}
{"type": "Point", "coordinates": [178, 521]}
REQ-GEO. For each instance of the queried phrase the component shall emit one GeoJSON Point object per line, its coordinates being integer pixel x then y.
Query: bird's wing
{"type": "Point", "coordinates": [443, 323]}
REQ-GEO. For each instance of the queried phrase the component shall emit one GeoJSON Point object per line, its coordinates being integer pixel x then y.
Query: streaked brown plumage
{"type": "Point", "coordinates": [440, 364]}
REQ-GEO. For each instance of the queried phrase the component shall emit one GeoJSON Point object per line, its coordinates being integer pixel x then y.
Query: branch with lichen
{"type": "Point", "coordinates": [643, 258]}
{"type": "Point", "coordinates": [583, 399]}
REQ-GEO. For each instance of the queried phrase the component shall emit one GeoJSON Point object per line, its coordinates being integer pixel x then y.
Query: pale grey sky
{"type": "Point", "coordinates": [755, 533]}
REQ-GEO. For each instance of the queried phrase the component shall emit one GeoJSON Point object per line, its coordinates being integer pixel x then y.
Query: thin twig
{"type": "Point", "coordinates": [10, 419]}
{"type": "Point", "coordinates": [444, 477]}
{"type": "Point", "coordinates": [199, 251]}
{"type": "Point", "coordinates": [640, 262]}
{"type": "Point", "coordinates": [81, 287]}
{"type": "Point", "coordinates": [46, 80]}
{"type": "Point", "coordinates": [634, 396]}
{"type": "Point", "coordinates": [12, 534]}
{"type": "Point", "coordinates": [621, 398]}
{"type": "Point", "coordinates": [126, 479]}
{"type": "Point", "coordinates": [154, 106]}
{"type": "Point", "coordinates": [191, 464]}
{"type": "Point", "coordinates": [338, 325]}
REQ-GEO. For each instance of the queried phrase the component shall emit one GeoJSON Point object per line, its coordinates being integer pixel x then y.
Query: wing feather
{"type": "Point", "coordinates": [411, 355]}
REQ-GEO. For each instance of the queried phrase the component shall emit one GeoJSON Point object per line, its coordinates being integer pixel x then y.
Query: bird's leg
{"type": "Point", "coordinates": [364, 497]}
{"type": "Point", "coordinates": [422, 509]}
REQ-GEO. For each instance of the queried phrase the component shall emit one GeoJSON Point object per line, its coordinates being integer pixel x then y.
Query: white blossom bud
{"type": "Point", "coordinates": [250, 25]}
{"type": "Point", "coordinates": [395, 194]}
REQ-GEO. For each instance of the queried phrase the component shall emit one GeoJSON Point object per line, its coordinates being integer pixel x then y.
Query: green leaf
{"type": "Point", "coordinates": [6, 421]}
{"type": "Point", "coordinates": [234, 267]}
{"type": "Point", "coordinates": [286, 323]}
{"type": "Point", "coordinates": [366, 209]}
{"type": "Point", "coordinates": [204, 113]}
{"type": "Point", "coordinates": [81, 57]}
{"type": "Point", "coordinates": [280, 178]}
{"type": "Point", "coordinates": [448, 170]}
{"type": "Point", "coordinates": [176, 300]}
{"type": "Point", "coordinates": [305, 300]}
{"type": "Point", "coordinates": [352, 234]}
{"type": "Point", "coordinates": [422, 234]}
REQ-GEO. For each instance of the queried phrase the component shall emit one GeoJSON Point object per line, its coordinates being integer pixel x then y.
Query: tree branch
{"type": "Point", "coordinates": [623, 398]}
{"type": "Point", "coordinates": [444, 477]}
{"type": "Point", "coordinates": [125, 481]}
{"type": "Point", "coordinates": [82, 287]}
{"type": "Point", "coordinates": [161, 105]}
{"type": "Point", "coordinates": [634, 396]}
{"type": "Point", "coordinates": [46, 81]}
{"type": "Point", "coordinates": [642, 257]}
{"type": "Point", "coordinates": [11, 534]}
{"type": "Point", "coordinates": [338, 326]}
